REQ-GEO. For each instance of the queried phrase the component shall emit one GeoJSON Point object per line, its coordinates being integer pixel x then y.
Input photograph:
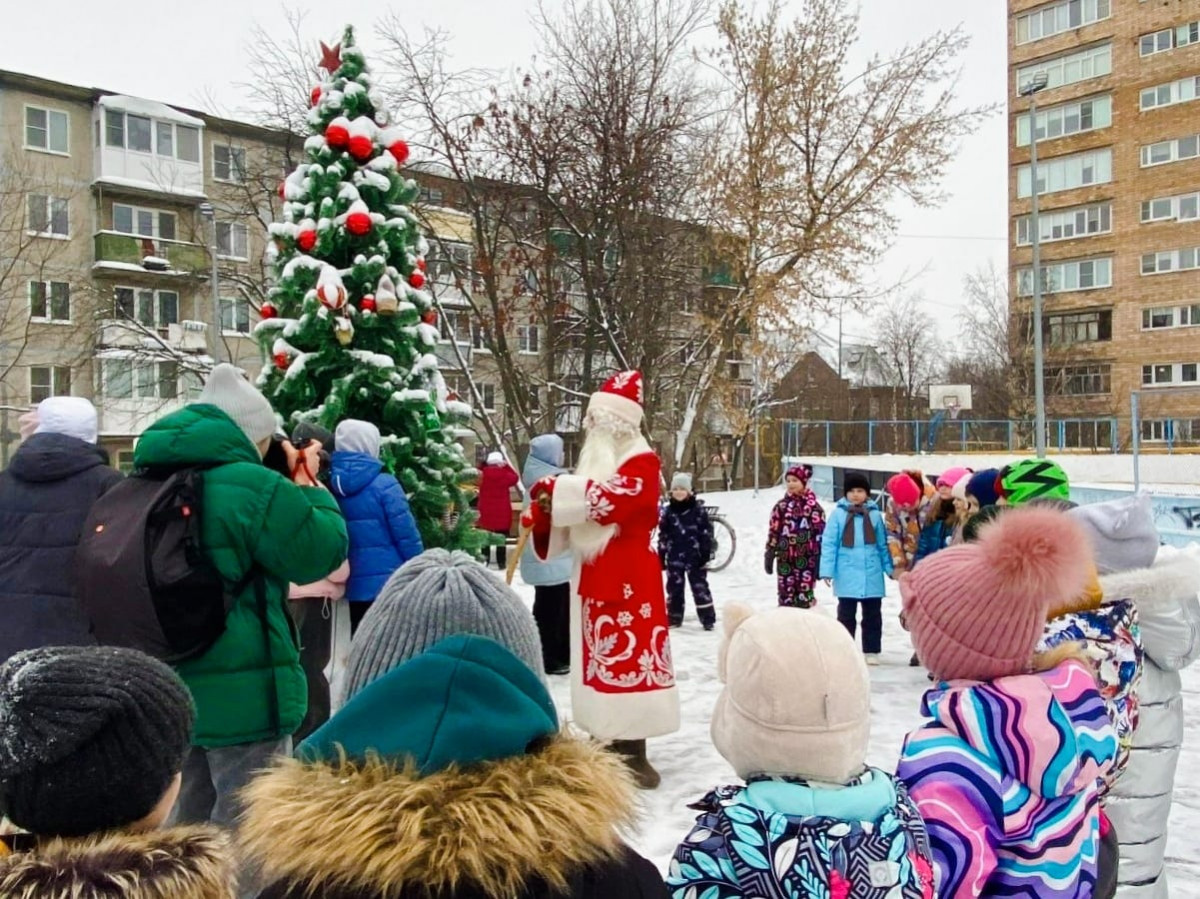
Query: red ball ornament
{"type": "Point", "coordinates": [281, 361]}
{"type": "Point", "coordinates": [315, 96]}
{"type": "Point", "coordinates": [429, 316]}
{"type": "Point", "coordinates": [306, 239]}
{"type": "Point", "coordinates": [361, 147]}
{"type": "Point", "coordinates": [421, 264]}
{"type": "Point", "coordinates": [337, 136]}
{"type": "Point", "coordinates": [283, 190]}
{"type": "Point", "coordinates": [400, 151]}
{"type": "Point", "coordinates": [358, 223]}
{"type": "Point", "coordinates": [417, 279]}
{"type": "Point", "coordinates": [367, 303]}
{"type": "Point", "coordinates": [267, 311]}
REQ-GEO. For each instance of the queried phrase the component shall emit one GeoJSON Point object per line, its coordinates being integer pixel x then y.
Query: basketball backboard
{"type": "Point", "coordinates": [950, 397]}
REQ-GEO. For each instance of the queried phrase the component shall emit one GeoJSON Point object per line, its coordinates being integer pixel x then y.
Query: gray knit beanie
{"type": "Point", "coordinates": [228, 390]}
{"type": "Point", "coordinates": [682, 479]}
{"type": "Point", "coordinates": [1121, 531]}
{"type": "Point", "coordinates": [438, 594]}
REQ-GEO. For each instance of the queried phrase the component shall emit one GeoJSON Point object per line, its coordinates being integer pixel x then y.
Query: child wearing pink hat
{"type": "Point", "coordinates": [904, 516]}
{"type": "Point", "coordinates": [794, 540]}
{"type": "Point", "coordinates": [1007, 771]}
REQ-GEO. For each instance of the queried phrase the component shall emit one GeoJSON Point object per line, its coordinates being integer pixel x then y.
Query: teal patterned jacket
{"type": "Point", "coordinates": [746, 845]}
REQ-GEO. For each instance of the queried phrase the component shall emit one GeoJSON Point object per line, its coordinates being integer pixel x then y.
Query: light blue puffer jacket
{"type": "Point", "coordinates": [857, 572]}
{"type": "Point", "coordinates": [544, 459]}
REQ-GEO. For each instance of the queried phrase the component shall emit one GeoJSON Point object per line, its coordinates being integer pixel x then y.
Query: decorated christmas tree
{"type": "Point", "coordinates": [348, 331]}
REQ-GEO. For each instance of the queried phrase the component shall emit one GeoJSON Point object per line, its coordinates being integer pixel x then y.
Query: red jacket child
{"type": "Point", "coordinates": [496, 479]}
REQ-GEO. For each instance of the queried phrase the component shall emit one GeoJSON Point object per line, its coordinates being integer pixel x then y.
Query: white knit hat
{"type": "Point", "coordinates": [228, 390]}
{"type": "Point", "coordinates": [765, 722]}
{"type": "Point", "coordinates": [354, 436]}
{"type": "Point", "coordinates": [71, 416]}
{"type": "Point", "coordinates": [495, 458]}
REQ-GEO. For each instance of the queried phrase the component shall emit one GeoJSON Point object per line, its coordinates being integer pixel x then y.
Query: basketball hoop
{"type": "Point", "coordinates": [952, 410]}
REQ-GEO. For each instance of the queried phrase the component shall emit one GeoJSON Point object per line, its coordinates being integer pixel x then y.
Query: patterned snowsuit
{"type": "Point", "coordinates": [864, 840]}
{"type": "Point", "coordinates": [794, 542]}
{"type": "Point", "coordinates": [685, 544]}
{"type": "Point", "coordinates": [1007, 777]}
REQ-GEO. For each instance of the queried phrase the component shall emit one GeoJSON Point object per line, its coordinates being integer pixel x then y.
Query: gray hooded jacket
{"type": "Point", "coordinates": [545, 459]}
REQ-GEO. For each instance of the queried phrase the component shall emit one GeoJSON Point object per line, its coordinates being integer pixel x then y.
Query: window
{"type": "Point", "coordinates": [233, 240]}
{"type": "Point", "coordinates": [144, 222]}
{"type": "Point", "coordinates": [1171, 374]}
{"type": "Point", "coordinates": [1067, 224]}
{"type": "Point", "coordinates": [48, 216]}
{"type": "Point", "coordinates": [124, 378]}
{"type": "Point", "coordinates": [1055, 18]}
{"type": "Point", "coordinates": [1160, 317]}
{"type": "Point", "coordinates": [235, 315]}
{"type": "Point", "coordinates": [1069, 328]}
{"type": "Point", "coordinates": [46, 129]}
{"type": "Point", "coordinates": [146, 135]}
{"type": "Point", "coordinates": [1079, 380]}
{"type": "Point", "coordinates": [1169, 38]}
{"type": "Point", "coordinates": [446, 263]}
{"type": "Point", "coordinates": [528, 338]}
{"type": "Point", "coordinates": [1170, 430]}
{"type": "Point", "coordinates": [1064, 277]}
{"type": "Point", "coordinates": [50, 301]}
{"type": "Point", "coordinates": [1165, 261]}
{"type": "Point", "coordinates": [1171, 150]}
{"type": "Point", "coordinates": [46, 381]}
{"type": "Point", "coordinates": [431, 196]}
{"type": "Point", "coordinates": [149, 308]}
{"type": "Point", "coordinates": [488, 392]}
{"type": "Point", "coordinates": [1181, 91]}
{"type": "Point", "coordinates": [456, 326]}
{"type": "Point", "coordinates": [1068, 172]}
{"type": "Point", "coordinates": [1070, 68]}
{"type": "Point", "coordinates": [1070, 118]}
{"type": "Point", "coordinates": [229, 163]}
{"type": "Point", "coordinates": [187, 143]}
{"type": "Point", "coordinates": [1180, 208]}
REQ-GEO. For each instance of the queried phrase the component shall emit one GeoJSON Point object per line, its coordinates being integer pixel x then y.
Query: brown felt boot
{"type": "Point", "coordinates": [634, 754]}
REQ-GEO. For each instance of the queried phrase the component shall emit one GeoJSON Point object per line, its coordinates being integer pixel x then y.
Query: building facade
{"type": "Point", "coordinates": [113, 212]}
{"type": "Point", "coordinates": [1118, 179]}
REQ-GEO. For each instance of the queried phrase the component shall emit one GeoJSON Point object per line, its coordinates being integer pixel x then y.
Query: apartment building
{"type": "Point", "coordinates": [1118, 179]}
{"type": "Point", "coordinates": [112, 209]}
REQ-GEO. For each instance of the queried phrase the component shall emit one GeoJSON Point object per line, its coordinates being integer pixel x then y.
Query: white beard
{"type": "Point", "coordinates": [599, 457]}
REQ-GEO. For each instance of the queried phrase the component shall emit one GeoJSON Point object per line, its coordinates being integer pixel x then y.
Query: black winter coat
{"type": "Point", "coordinates": [45, 495]}
{"type": "Point", "coordinates": [685, 536]}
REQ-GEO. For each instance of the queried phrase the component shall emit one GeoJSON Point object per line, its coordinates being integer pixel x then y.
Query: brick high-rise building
{"type": "Point", "coordinates": [1118, 139]}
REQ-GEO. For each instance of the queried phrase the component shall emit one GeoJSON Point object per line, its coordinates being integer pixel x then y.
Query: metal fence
{"type": "Point", "coordinates": [963, 435]}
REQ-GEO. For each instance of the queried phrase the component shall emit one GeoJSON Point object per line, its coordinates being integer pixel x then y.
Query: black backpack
{"type": "Point", "coordinates": [141, 574]}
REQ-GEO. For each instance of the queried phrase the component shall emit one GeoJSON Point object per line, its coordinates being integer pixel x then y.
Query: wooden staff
{"type": "Point", "coordinates": [522, 539]}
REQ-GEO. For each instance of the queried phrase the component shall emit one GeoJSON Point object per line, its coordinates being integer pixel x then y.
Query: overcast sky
{"type": "Point", "coordinates": [183, 52]}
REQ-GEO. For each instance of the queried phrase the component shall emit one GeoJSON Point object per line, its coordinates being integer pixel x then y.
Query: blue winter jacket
{"type": "Point", "coordinates": [383, 533]}
{"type": "Point", "coordinates": [545, 454]}
{"type": "Point", "coordinates": [935, 536]}
{"type": "Point", "coordinates": [857, 571]}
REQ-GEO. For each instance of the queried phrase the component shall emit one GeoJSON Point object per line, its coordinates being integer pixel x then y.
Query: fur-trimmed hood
{"type": "Point", "coordinates": [180, 863]}
{"type": "Point", "coordinates": [495, 827]}
{"type": "Point", "coordinates": [1166, 599]}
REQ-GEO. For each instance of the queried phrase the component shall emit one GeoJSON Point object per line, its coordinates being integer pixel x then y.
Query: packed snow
{"type": "Point", "coordinates": [690, 766]}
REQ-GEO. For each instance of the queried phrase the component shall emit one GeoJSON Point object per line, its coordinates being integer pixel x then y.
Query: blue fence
{"type": "Point", "coordinates": [943, 434]}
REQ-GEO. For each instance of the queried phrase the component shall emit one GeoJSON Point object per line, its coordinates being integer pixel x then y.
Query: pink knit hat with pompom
{"type": "Point", "coordinates": [976, 611]}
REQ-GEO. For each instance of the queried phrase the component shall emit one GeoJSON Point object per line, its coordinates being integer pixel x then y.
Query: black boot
{"type": "Point", "coordinates": [914, 662]}
{"type": "Point", "coordinates": [634, 754]}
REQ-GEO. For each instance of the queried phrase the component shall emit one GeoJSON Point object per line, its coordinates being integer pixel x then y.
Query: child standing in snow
{"type": "Point", "coordinates": [1162, 585]}
{"type": "Point", "coordinates": [685, 544]}
{"type": "Point", "coordinates": [1007, 771]}
{"type": "Point", "coordinates": [855, 557]}
{"type": "Point", "coordinates": [904, 516]}
{"type": "Point", "coordinates": [813, 818]}
{"type": "Point", "coordinates": [794, 540]}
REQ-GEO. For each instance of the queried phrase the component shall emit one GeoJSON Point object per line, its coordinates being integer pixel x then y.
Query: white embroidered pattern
{"type": "Point", "coordinates": [646, 610]}
{"type": "Point", "coordinates": [610, 647]}
{"type": "Point", "coordinates": [598, 494]}
{"type": "Point", "coordinates": [627, 590]}
{"type": "Point", "coordinates": [621, 380]}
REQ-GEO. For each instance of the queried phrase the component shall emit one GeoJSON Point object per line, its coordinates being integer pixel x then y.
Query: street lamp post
{"type": "Point", "coordinates": [1030, 90]}
{"type": "Point", "coordinates": [214, 332]}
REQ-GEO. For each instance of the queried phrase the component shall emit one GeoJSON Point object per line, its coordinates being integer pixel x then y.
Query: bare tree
{"type": "Point", "coordinates": [908, 343]}
{"type": "Point", "coordinates": [814, 152]}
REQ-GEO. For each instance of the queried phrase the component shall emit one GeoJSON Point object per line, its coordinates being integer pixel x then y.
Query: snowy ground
{"type": "Point", "coordinates": [690, 766]}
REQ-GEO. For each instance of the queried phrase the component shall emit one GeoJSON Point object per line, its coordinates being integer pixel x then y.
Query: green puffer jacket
{"type": "Point", "coordinates": [252, 516]}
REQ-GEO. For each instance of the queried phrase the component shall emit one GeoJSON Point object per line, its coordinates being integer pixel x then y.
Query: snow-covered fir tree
{"type": "Point", "coordinates": [348, 331]}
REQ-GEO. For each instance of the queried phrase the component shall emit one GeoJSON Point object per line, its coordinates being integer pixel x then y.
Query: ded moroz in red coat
{"type": "Point", "coordinates": [495, 505]}
{"type": "Point", "coordinates": [622, 677]}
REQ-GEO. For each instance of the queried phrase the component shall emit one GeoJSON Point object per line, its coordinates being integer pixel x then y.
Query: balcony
{"type": "Point", "coordinates": [185, 337]}
{"type": "Point", "coordinates": [130, 252]}
{"type": "Point", "coordinates": [147, 147]}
